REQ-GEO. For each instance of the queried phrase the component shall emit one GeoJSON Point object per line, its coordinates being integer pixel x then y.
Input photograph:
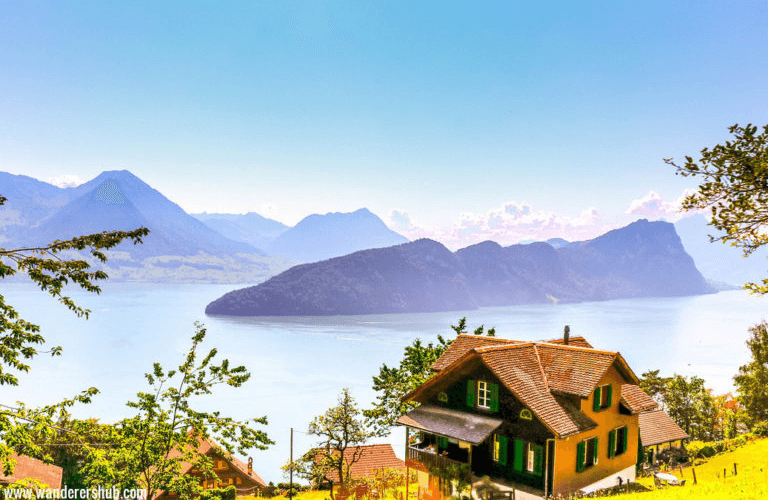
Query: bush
{"type": "Point", "coordinates": [760, 429]}
{"type": "Point", "coordinates": [708, 451]}
{"type": "Point", "coordinates": [219, 494]}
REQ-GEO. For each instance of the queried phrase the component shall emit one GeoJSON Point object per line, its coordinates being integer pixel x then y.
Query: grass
{"type": "Point", "coordinates": [749, 484]}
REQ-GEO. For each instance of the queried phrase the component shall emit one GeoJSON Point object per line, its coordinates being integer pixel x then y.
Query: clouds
{"type": "Point", "coordinates": [652, 206]}
{"type": "Point", "coordinates": [514, 222]}
{"type": "Point", "coordinates": [65, 181]}
{"type": "Point", "coordinates": [508, 224]}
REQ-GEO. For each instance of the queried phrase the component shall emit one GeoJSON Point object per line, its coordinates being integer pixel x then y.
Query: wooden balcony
{"type": "Point", "coordinates": [425, 460]}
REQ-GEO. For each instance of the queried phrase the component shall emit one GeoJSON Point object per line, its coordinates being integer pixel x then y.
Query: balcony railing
{"type": "Point", "coordinates": [426, 460]}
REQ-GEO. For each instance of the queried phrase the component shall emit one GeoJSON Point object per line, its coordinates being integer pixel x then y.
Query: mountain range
{"type": "Point", "coordinates": [219, 248]}
{"type": "Point", "coordinates": [643, 259]}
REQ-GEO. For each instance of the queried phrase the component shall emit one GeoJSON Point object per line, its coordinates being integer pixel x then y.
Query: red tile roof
{"type": "Point", "coordinates": [537, 372]}
{"type": "Point", "coordinates": [519, 369]}
{"type": "Point", "coordinates": [657, 427]}
{"type": "Point", "coordinates": [370, 458]}
{"type": "Point", "coordinates": [573, 341]}
{"type": "Point", "coordinates": [635, 399]}
{"type": "Point", "coordinates": [574, 370]}
{"type": "Point", "coordinates": [32, 468]}
{"type": "Point", "coordinates": [464, 343]}
{"type": "Point", "coordinates": [209, 447]}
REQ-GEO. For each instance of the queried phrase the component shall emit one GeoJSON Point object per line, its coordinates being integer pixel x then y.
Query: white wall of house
{"type": "Point", "coordinates": [627, 474]}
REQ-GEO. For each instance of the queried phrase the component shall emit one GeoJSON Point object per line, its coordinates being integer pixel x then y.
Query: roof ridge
{"type": "Point", "coordinates": [542, 371]}
{"type": "Point", "coordinates": [586, 349]}
{"type": "Point", "coordinates": [488, 348]}
{"type": "Point", "coordinates": [486, 337]}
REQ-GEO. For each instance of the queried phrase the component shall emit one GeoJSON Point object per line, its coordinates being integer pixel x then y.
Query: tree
{"type": "Point", "coordinates": [341, 432]}
{"type": "Point", "coordinates": [148, 450]}
{"type": "Point", "coordinates": [20, 340]}
{"type": "Point", "coordinates": [392, 384]}
{"type": "Point", "coordinates": [734, 187]}
{"type": "Point", "coordinates": [691, 406]}
{"type": "Point", "coordinates": [654, 385]}
{"type": "Point", "coordinates": [45, 267]}
{"type": "Point", "coordinates": [751, 380]}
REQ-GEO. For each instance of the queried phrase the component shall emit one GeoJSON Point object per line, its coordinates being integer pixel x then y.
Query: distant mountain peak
{"type": "Point", "coordinates": [109, 193]}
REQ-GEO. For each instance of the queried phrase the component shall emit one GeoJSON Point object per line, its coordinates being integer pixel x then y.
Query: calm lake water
{"type": "Point", "coordinates": [299, 365]}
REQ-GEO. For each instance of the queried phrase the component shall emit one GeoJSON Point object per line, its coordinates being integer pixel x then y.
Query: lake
{"type": "Point", "coordinates": [300, 364]}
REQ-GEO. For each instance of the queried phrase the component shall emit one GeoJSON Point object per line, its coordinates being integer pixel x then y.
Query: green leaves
{"type": "Point", "coordinates": [751, 380]}
{"type": "Point", "coordinates": [151, 448]}
{"type": "Point", "coordinates": [51, 273]}
{"type": "Point", "coordinates": [734, 188]}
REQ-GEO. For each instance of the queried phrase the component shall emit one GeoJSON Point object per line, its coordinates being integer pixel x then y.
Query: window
{"type": "Point", "coordinates": [586, 453]}
{"type": "Point", "coordinates": [530, 457]}
{"type": "Point", "coordinates": [483, 395]}
{"type": "Point", "coordinates": [618, 441]}
{"type": "Point", "coordinates": [602, 397]}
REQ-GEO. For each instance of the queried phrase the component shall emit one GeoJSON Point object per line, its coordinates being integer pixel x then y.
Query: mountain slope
{"type": "Point", "coordinates": [718, 261]}
{"type": "Point", "coordinates": [413, 277]}
{"type": "Point", "coordinates": [318, 237]}
{"type": "Point", "coordinates": [644, 259]}
{"type": "Point", "coordinates": [118, 200]}
{"type": "Point", "coordinates": [249, 228]}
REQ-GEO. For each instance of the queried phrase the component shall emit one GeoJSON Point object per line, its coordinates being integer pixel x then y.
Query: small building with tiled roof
{"type": "Point", "coordinates": [542, 418]}
{"type": "Point", "coordinates": [230, 471]}
{"type": "Point", "coordinates": [31, 468]}
{"type": "Point", "coordinates": [659, 432]}
{"type": "Point", "coordinates": [369, 459]}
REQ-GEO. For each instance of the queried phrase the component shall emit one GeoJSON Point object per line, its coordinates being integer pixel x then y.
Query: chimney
{"type": "Point", "coordinates": [251, 461]}
{"type": "Point", "coordinates": [566, 334]}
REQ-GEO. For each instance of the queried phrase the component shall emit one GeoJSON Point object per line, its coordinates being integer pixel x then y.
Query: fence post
{"type": "Point", "coordinates": [735, 469]}
{"type": "Point", "coordinates": [694, 479]}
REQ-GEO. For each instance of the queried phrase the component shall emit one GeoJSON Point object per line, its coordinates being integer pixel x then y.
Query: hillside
{"type": "Point", "coordinates": [644, 259]}
{"type": "Point", "coordinates": [249, 228]}
{"type": "Point", "coordinates": [318, 237]}
{"type": "Point", "coordinates": [179, 247]}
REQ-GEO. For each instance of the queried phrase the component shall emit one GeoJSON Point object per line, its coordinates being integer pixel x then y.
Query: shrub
{"type": "Point", "coordinates": [708, 451]}
{"type": "Point", "coordinates": [760, 429]}
{"type": "Point", "coordinates": [219, 494]}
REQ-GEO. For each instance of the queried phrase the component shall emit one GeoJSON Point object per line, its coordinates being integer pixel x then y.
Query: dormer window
{"type": "Point", "coordinates": [484, 395]}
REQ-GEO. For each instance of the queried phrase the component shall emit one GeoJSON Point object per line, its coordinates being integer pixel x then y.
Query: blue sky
{"type": "Point", "coordinates": [460, 121]}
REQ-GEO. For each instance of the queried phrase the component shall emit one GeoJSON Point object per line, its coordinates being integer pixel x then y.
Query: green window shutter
{"type": "Point", "coordinates": [538, 460]}
{"type": "Point", "coordinates": [596, 450]}
{"type": "Point", "coordinates": [443, 442]}
{"type": "Point", "coordinates": [581, 456]}
{"type": "Point", "coordinates": [625, 439]}
{"type": "Point", "coordinates": [518, 455]}
{"type": "Point", "coordinates": [503, 452]}
{"type": "Point", "coordinates": [470, 397]}
{"type": "Point", "coordinates": [609, 396]}
{"type": "Point", "coordinates": [597, 399]}
{"type": "Point", "coordinates": [495, 393]}
{"type": "Point", "coordinates": [611, 444]}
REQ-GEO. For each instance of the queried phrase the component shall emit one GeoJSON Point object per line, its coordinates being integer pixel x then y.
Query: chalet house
{"type": "Point", "coordinates": [536, 419]}
{"type": "Point", "coordinates": [230, 471]}
{"type": "Point", "coordinates": [369, 459]}
{"type": "Point", "coordinates": [658, 433]}
{"type": "Point", "coordinates": [32, 468]}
